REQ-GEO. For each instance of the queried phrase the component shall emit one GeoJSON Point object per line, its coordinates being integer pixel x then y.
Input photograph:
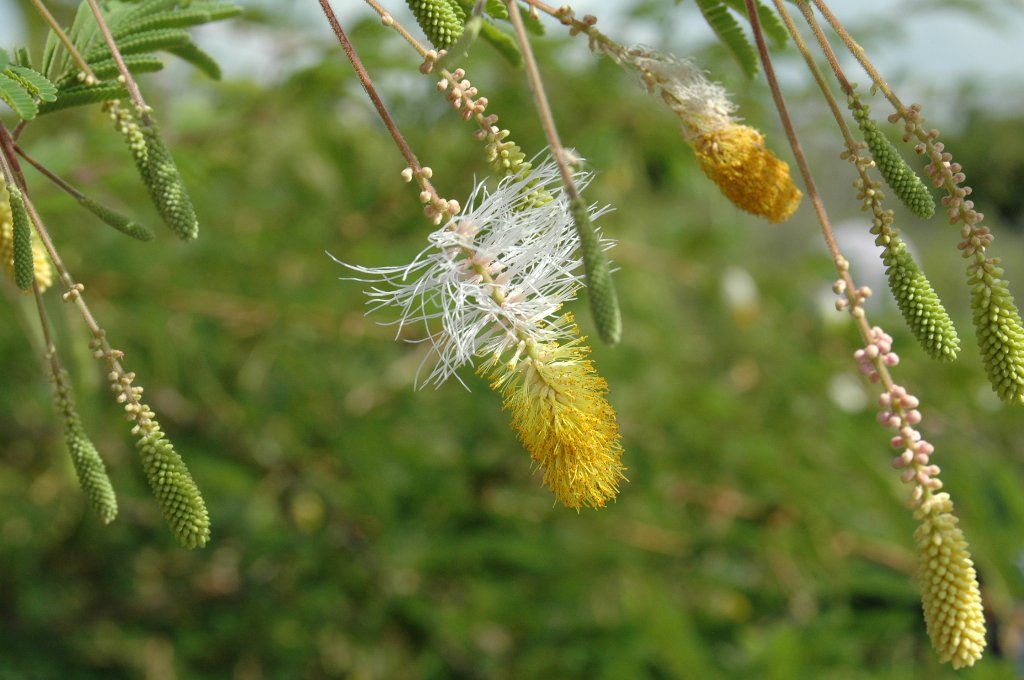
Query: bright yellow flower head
{"type": "Point", "coordinates": [44, 272]}
{"type": "Point", "coordinates": [564, 421]}
{"type": "Point", "coordinates": [736, 159]}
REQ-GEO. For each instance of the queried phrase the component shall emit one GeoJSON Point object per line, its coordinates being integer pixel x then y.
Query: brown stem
{"type": "Point", "coordinates": [371, 91]}
{"type": "Point", "coordinates": [46, 172]}
{"type": "Point", "coordinates": [125, 74]}
{"type": "Point", "coordinates": [540, 98]}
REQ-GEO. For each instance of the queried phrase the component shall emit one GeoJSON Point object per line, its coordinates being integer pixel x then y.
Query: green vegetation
{"type": "Point", "coordinates": [366, 530]}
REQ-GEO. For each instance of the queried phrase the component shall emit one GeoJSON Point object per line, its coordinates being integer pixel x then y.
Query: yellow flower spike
{"type": "Point", "coordinates": [736, 159]}
{"type": "Point", "coordinates": [564, 421]}
{"type": "Point", "coordinates": [949, 584]}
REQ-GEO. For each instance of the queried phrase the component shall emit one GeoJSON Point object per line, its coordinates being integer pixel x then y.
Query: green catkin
{"type": "Point", "coordinates": [440, 20]}
{"type": "Point", "coordinates": [123, 224]}
{"type": "Point", "coordinates": [24, 262]}
{"type": "Point", "coordinates": [903, 181]}
{"type": "Point", "coordinates": [920, 306]}
{"type": "Point", "coordinates": [999, 330]}
{"type": "Point", "coordinates": [158, 171]}
{"type": "Point", "coordinates": [175, 490]}
{"type": "Point", "coordinates": [92, 474]}
{"type": "Point", "coordinates": [604, 303]}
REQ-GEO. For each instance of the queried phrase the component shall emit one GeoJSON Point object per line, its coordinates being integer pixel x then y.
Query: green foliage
{"type": "Point", "coordinates": [81, 95]}
{"type": "Point", "coordinates": [919, 304]}
{"type": "Point", "coordinates": [21, 87]}
{"type": "Point", "coordinates": [728, 30]}
{"type": "Point", "coordinates": [139, 29]}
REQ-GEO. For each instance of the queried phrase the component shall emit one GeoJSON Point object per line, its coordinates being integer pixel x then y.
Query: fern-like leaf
{"type": "Point", "coordinates": [34, 83]}
{"type": "Point", "coordinates": [14, 94]}
{"type": "Point", "coordinates": [198, 58]}
{"type": "Point", "coordinates": [149, 41]}
{"type": "Point", "coordinates": [80, 95]}
{"type": "Point", "coordinates": [773, 28]}
{"type": "Point", "coordinates": [729, 32]}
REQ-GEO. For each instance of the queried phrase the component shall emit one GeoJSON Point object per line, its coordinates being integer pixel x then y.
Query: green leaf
{"type": "Point", "coordinates": [771, 24]}
{"type": "Point", "coordinates": [17, 97]}
{"type": "Point", "coordinates": [4, 59]}
{"type": "Point", "coordinates": [21, 57]}
{"type": "Point", "coordinates": [35, 83]}
{"type": "Point", "coordinates": [148, 41]}
{"type": "Point", "coordinates": [729, 32]}
{"type": "Point", "coordinates": [198, 58]}
{"type": "Point", "coordinates": [81, 95]}
{"type": "Point", "coordinates": [107, 69]}
{"type": "Point", "coordinates": [169, 19]}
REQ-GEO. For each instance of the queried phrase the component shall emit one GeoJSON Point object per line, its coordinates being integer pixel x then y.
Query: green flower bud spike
{"type": "Point", "coordinates": [903, 181]}
{"type": "Point", "coordinates": [123, 224]}
{"type": "Point", "coordinates": [158, 171]}
{"type": "Point", "coordinates": [92, 474]}
{"type": "Point", "coordinates": [604, 303]}
{"type": "Point", "coordinates": [440, 20]}
{"type": "Point", "coordinates": [919, 304]}
{"type": "Point", "coordinates": [999, 328]}
{"type": "Point", "coordinates": [24, 263]}
{"type": "Point", "coordinates": [175, 490]}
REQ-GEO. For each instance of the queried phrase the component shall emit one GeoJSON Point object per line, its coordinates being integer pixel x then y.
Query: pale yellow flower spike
{"type": "Point", "coordinates": [564, 421]}
{"type": "Point", "coordinates": [949, 584]}
{"type": "Point", "coordinates": [736, 159]}
{"type": "Point", "coordinates": [44, 272]}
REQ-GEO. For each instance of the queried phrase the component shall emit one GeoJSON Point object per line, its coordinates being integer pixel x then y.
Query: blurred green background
{"type": "Point", "coordinates": [363, 529]}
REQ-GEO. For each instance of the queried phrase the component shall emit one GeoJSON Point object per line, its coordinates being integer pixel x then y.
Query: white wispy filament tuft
{"type": "Point", "coordinates": [492, 278]}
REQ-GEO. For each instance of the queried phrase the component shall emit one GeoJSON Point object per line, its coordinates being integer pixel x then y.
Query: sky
{"type": "Point", "coordinates": [941, 46]}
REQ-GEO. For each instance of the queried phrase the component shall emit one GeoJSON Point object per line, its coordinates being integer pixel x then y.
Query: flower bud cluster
{"type": "Point", "coordinates": [878, 352]}
{"type": "Point", "coordinates": [436, 208]}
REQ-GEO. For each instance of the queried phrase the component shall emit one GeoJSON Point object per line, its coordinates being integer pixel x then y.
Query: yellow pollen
{"type": "Point", "coordinates": [748, 173]}
{"type": "Point", "coordinates": [566, 424]}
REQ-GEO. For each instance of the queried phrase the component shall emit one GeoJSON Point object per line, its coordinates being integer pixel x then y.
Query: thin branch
{"type": "Point", "coordinates": [540, 98]}
{"type": "Point", "coordinates": [125, 74]}
{"type": "Point", "coordinates": [62, 36]}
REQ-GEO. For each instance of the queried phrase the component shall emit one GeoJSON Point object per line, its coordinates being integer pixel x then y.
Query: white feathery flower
{"type": "Point", "coordinates": [493, 277]}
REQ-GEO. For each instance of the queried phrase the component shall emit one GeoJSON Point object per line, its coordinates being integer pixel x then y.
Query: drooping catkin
{"type": "Point", "coordinates": [21, 240]}
{"type": "Point", "coordinates": [40, 260]}
{"type": "Point", "coordinates": [123, 224]}
{"type": "Point", "coordinates": [999, 329]}
{"type": "Point", "coordinates": [604, 303]}
{"type": "Point", "coordinates": [441, 20]}
{"type": "Point", "coordinates": [158, 171]}
{"type": "Point", "coordinates": [175, 490]}
{"type": "Point", "coordinates": [903, 181]}
{"type": "Point", "coordinates": [949, 584]}
{"type": "Point", "coordinates": [919, 304]}
{"type": "Point", "coordinates": [92, 474]}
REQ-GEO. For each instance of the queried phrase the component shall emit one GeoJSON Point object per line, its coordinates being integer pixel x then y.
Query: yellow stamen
{"type": "Point", "coordinates": [565, 422]}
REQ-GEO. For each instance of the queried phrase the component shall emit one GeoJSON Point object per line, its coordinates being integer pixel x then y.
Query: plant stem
{"type": "Point", "coordinates": [126, 76]}
{"type": "Point", "coordinates": [62, 36]}
{"type": "Point", "coordinates": [371, 91]}
{"type": "Point", "coordinates": [46, 172]}
{"type": "Point", "coordinates": [541, 100]}
{"type": "Point", "coordinates": [858, 53]}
